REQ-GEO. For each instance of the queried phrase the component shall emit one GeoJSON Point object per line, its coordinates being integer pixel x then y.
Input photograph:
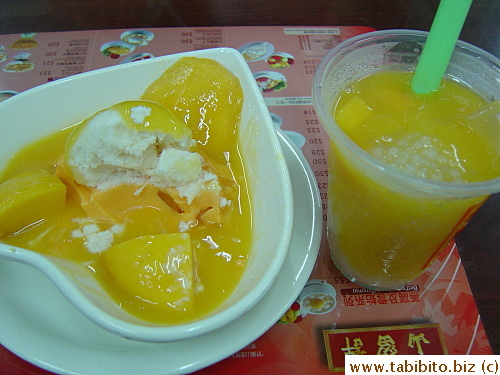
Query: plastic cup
{"type": "Point", "coordinates": [385, 226]}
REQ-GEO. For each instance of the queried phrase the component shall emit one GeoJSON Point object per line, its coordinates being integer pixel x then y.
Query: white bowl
{"type": "Point", "coordinates": [45, 109]}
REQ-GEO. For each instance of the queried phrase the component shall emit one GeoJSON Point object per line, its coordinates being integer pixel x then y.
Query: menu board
{"type": "Point", "coordinates": [331, 316]}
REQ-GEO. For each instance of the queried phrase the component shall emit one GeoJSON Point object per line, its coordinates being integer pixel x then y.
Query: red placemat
{"type": "Point", "coordinates": [435, 314]}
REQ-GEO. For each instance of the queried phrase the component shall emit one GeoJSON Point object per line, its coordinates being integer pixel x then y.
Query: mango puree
{"type": "Point", "coordinates": [383, 235]}
{"type": "Point", "coordinates": [149, 259]}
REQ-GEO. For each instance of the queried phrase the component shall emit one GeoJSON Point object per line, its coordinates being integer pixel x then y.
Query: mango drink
{"type": "Point", "coordinates": [404, 179]}
{"type": "Point", "coordinates": [427, 137]}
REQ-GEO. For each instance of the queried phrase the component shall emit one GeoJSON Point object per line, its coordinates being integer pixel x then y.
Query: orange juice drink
{"type": "Point", "coordinates": [406, 171]}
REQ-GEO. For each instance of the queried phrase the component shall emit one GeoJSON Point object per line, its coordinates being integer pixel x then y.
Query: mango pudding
{"type": "Point", "coordinates": [149, 194]}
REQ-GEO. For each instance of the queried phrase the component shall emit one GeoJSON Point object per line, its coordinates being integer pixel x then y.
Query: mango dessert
{"type": "Point", "coordinates": [149, 194]}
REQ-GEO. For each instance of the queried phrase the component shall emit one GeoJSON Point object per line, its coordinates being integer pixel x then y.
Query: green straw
{"type": "Point", "coordinates": [440, 44]}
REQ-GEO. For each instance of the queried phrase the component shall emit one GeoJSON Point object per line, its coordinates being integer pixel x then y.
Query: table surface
{"type": "Point", "coordinates": [478, 243]}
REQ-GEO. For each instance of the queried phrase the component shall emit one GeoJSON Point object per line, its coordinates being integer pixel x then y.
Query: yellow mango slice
{"type": "Point", "coordinates": [206, 95]}
{"type": "Point", "coordinates": [29, 197]}
{"type": "Point", "coordinates": [352, 114]}
{"type": "Point", "coordinates": [112, 130]}
{"type": "Point", "coordinates": [396, 99]}
{"type": "Point", "coordinates": [141, 115]}
{"type": "Point", "coordinates": [156, 270]}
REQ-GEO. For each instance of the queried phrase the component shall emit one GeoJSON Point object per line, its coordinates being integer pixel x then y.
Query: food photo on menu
{"type": "Point", "coordinates": [126, 46]}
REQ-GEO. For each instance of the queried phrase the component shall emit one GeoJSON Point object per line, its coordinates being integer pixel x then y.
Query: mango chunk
{"type": "Point", "coordinates": [352, 114]}
{"type": "Point", "coordinates": [206, 96]}
{"type": "Point", "coordinates": [121, 141]}
{"type": "Point", "coordinates": [157, 269]}
{"type": "Point", "coordinates": [143, 115]}
{"type": "Point", "coordinates": [29, 197]}
{"type": "Point", "coordinates": [397, 99]}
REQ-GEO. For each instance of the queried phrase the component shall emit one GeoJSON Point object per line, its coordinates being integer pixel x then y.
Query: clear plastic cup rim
{"type": "Point", "coordinates": [453, 189]}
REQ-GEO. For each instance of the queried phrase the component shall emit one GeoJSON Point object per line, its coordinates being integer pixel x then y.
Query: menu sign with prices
{"type": "Point", "coordinates": [332, 316]}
